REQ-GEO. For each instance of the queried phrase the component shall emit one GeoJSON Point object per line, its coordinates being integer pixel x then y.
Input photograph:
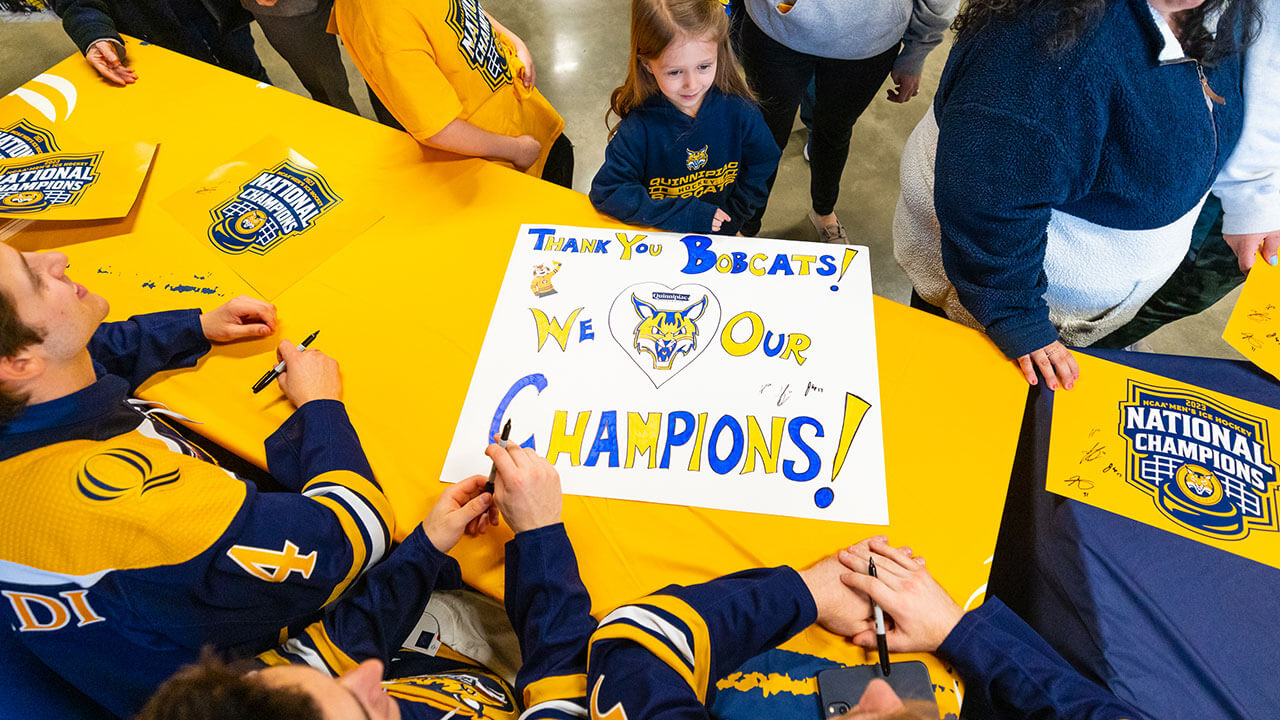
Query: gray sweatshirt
{"type": "Point", "coordinates": [857, 29]}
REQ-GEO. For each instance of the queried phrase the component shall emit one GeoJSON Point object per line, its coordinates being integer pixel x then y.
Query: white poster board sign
{"type": "Point", "coordinates": [717, 372]}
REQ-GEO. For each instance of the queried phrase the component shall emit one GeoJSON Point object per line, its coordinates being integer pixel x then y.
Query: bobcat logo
{"type": "Point", "coordinates": [664, 334]}
{"type": "Point", "coordinates": [695, 160]}
{"type": "Point", "coordinates": [1200, 481]}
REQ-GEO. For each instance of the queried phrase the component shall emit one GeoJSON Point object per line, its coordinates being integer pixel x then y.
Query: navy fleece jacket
{"type": "Point", "coordinates": [671, 171]}
{"type": "Point", "coordinates": [1103, 131]}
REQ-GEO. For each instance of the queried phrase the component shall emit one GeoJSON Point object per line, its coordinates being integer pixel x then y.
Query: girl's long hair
{"type": "Point", "coordinates": [654, 25]}
{"type": "Point", "coordinates": [1075, 18]}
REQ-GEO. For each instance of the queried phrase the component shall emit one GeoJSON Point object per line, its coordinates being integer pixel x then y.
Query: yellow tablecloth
{"type": "Point", "coordinates": [404, 307]}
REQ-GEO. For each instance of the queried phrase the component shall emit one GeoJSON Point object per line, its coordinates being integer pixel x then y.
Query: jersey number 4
{"type": "Point", "coordinates": [273, 565]}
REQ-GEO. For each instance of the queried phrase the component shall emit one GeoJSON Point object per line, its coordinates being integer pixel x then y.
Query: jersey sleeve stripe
{"type": "Point", "coordinates": [273, 658]}
{"type": "Point", "coordinates": [337, 660]}
{"type": "Point", "coordinates": [366, 500]}
{"type": "Point", "coordinates": [304, 654]}
{"type": "Point", "coordinates": [555, 687]}
{"type": "Point", "coordinates": [672, 612]}
{"type": "Point", "coordinates": [353, 533]}
{"type": "Point", "coordinates": [660, 627]}
{"type": "Point", "coordinates": [556, 710]}
{"type": "Point", "coordinates": [661, 650]}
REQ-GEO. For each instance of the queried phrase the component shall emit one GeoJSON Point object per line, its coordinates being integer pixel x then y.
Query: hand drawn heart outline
{"type": "Point", "coordinates": [655, 307]}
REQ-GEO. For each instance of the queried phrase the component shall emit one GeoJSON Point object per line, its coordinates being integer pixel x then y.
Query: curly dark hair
{"type": "Point", "coordinates": [212, 690]}
{"type": "Point", "coordinates": [1073, 18]}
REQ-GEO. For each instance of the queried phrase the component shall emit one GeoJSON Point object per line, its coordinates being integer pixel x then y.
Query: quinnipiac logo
{"type": "Point", "coordinates": [23, 139]}
{"type": "Point", "coordinates": [47, 181]}
{"type": "Point", "coordinates": [115, 473]}
{"type": "Point", "coordinates": [272, 207]}
{"type": "Point", "coordinates": [1207, 467]}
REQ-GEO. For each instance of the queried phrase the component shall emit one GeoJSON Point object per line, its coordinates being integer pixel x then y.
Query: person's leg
{"type": "Point", "coordinates": [844, 90]}
{"type": "Point", "coordinates": [1208, 272]}
{"type": "Point", "coordinates": [559, 166]}
{"type": "Point", "coordinates": [304, 43]}
{"type": "Point", "coordinates": [778, 75]}
{"type": "Point", "coordinates": [234, 51]}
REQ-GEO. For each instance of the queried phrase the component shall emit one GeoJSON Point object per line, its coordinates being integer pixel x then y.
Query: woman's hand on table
{"type": "Point", "coordinates": [240, 318]}
{"type": "Point", "coordinates": [106, 56]}
{"type": "Point", "coordinates": [923, 613]}
{"type": "Point", "coordinates": [526, 489]}
{"type": "Point", "coordinates": [459, 505]}
{"type": "Point", "coordinates": [1056, 364]}
{"type": "Point", "coordinates": [308, 375]}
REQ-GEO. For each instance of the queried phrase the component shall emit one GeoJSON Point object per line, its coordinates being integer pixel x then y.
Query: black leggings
{"type": "Point", "coordinates": [780, 76]}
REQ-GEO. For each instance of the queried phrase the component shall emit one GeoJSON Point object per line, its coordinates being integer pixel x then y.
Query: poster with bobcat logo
{"type": "Point", "coordinates": [718, 372]}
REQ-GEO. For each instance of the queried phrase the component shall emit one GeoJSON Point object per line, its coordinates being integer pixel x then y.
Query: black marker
{"type": "Point", "coordinates": [882, 644]}
{"type": "Point", "coordinates": [274, 372]}
{"type": "Point", "coordinates": [493, 471]}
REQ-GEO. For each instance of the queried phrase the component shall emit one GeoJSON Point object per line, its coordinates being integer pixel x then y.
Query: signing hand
{"type": "Point", "coordinates": [526, 152]}
{"type": "Point", "coordinates": [239, 318]}
{"type": "Point", "coordinates": [454, 512]}
{"type": "Point", "coordinates": [308, 375]}
{"type": "Point", "coordinates": [527, 488]}
{"type": "Point", "coordinates": [720, 218]}
{"type": "Point", "coordinates": [1056, 363]}
{"type": "Point", "coordinates": [906, 87]}
{"type": "Point", "coordinates": [922, 611]}
{"type": "Point", "coordinates": [1248, 246]}
{"type": "Point", "coordinates": [104, 56]}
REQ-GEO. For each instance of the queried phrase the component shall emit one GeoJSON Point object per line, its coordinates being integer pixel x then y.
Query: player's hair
{"type": "Point", "coordinates": [654, 25]}
{"type": "Point", "coordinates": [212, 690]}
{"type": "Point", "coordinates": [14, 336]}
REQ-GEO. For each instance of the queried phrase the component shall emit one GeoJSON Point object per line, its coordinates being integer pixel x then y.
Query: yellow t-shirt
{"type": "Point", "coordinates": [434, 61]}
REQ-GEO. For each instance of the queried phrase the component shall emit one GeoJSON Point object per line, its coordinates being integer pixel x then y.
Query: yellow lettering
{"type": "Point", "coordinates": [588, 245]}
{"type": "Point", "coordinates": [804, 261]}
{"type": "Point", "coordinates": [756, 445]}
{"type": "Point", "coordinates": [759, 270]}
{"type": "Point", "coordinates": [273, 565]}
{"type": "Point", "coordinates": [22, 607]}
{"type": "Point", "coordinates": [551, 327]}
{"type": "Point", "coordinates": [569, 444]}
{"type": "Point", "coordinates": [627, 244]}
{"type": "Point", "coordinates": [554, 243]}
{"type": "Point", "coordinates": [80, 605]}
{"type": "Point", "coordinates": [795, 344]}
{"type": "Point", "coordinates": [855, 409]}
{"type": "Point", "coordinates": [738, 349]}
{"type": "Point", "coordinates": [695, 460]}
{"type": "Point", "coordinates": [642, 436]}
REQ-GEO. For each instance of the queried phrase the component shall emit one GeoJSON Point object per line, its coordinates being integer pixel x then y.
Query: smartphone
{"type": "Point", "coordinates": [839, 689]}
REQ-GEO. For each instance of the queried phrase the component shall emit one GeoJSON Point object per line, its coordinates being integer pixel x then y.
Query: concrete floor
{"type": "Point", "coordinates": [580, 49]}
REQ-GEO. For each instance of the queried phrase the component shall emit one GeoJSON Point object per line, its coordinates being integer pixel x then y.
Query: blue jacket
{"type": "Point", "coordinates": [667, 170]}
{"type": "Point", "coordinates": [546, 601]}
{"type": "Point", "coordinates": [659, 658]}
{"type": "Point", "coordinates": [1102, 131]}
{"type": "Point", "coordinates": [123, 550]}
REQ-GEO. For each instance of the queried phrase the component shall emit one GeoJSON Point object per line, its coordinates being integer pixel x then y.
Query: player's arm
{"type": "Point", "coordinates": [376, 617]}
{"type": "Point", "coordinates": [546, 601]}
{"type": "Point", "coordinates": [143, 345]}
{"type": "Point", "coordinates": [619, 189]}
{"type": "Point", "coordinates": [759, 160]}
{"type": "Point", "coordinates": [659, 657]}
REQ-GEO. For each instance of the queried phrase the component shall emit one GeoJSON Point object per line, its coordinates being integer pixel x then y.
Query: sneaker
{"type": "Point", "coordinates": [806, 151]}
{"type": "Point", "coordinates": [833, 233]}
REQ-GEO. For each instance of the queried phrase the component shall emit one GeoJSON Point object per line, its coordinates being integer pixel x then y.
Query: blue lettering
{"type": "Point", "coordinates": [602, 246]}
{"type": "Point", "coordinates": [542, 234]}
{"type": "Point", "coordinates": [572, 245]}
{"type": "Point", "coordinates": [773, 351]}
{"type": "Point", "coordinates": [676, 438]}
{"type": "Point", "coordinates": [585, 332]}
{"type": "Point", "coordinates": [782, 264]}
{"type": "Point", "coordinates": [700, 258]}
{"type": "Point", "coordinates": [739, 262]}
{"type": "Point", "coordinates": [725, 465]}
{"type": "Point", "coordinates": [828, 265]}
{"type": "Point", "coordinates": [815, 462]}
{"type": "Point", "coordinates": [606, 439]}
{"type": "Point", "coordinates": [539, 382]}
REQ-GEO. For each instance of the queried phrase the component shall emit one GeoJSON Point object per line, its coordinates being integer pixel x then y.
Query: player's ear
{"type": "Point", "coordinates": [24, 365]}
{"type": "Point", "coordinates": [879, 697]}
{"type": "Point", "coordinates": [365, 682]}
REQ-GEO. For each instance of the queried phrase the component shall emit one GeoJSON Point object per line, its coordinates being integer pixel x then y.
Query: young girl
{"type": "Point", "coordinates": [691, 152]}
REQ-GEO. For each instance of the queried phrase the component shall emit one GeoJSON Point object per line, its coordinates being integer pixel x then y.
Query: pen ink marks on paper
{"type": "Point", "coordinates": [1093, 453]}
{"type": "Point", "coordinates": [784, 394]}
{"type": "Point", "coordinates": [1081, 484]}
{"type": "Point", "coordinates": [811, 388]}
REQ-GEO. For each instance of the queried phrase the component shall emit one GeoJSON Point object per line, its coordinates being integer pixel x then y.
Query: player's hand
{"type": "Point", "coordinates": [1056, 364]}
{"type": "Point", "coordinates": [527, 487]}
{"type": "Point", "coordinates": [459, 505]}
{"type": "Point", "coordinates": [104, 56]}
{"type": "Point", "coordinates": [528, 74]}
{"type": "Point", "coordinates": [905, 87]}
{"type": "Point", "coordinates": [923, 613]}
{"type": "Point", "coordinates": [1248, 246]}
{"type": "Point", "coordinates": [308, 375]}
{"type": "Point", "coordinates": [721, 217]}
{"type": "Point", "coordinates": [526, 153]}
{"type": "Point", "coordinates": [239, 318]}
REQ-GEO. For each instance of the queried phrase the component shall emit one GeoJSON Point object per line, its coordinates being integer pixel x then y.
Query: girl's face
{"type": "Point", "coordinates": [684, 71]}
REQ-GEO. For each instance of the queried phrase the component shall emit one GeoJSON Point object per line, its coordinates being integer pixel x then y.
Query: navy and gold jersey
{"type": "Point", "coordinates": [123, 550]}
{"type": "Point", "coordinates": [671, 171]}
{"type": "Point", "coordinates": [660, 657]}
{"type": "Point", "coordinates": [546, 602]}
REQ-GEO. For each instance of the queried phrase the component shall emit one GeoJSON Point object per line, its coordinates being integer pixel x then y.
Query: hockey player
{"type": "Point", "coordinates": [123, 548]}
